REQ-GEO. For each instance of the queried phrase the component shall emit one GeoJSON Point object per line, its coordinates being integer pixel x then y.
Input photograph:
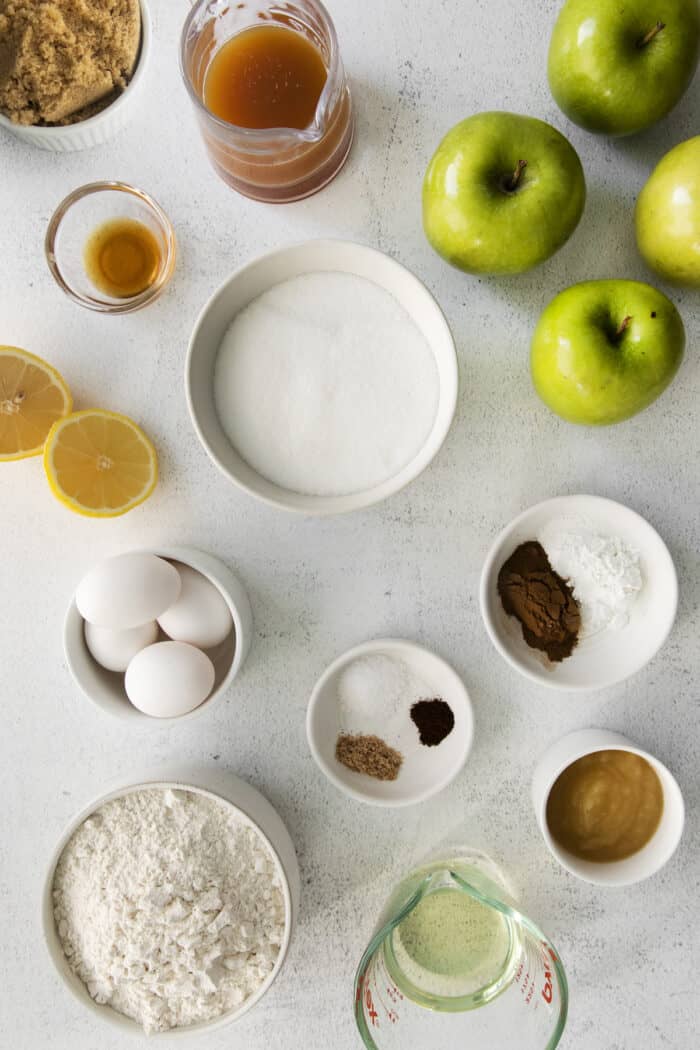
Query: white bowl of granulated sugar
{"type": "Point", "coordinates": [322, 378]}
{"type": "Point", "coordinates": [196, 864]}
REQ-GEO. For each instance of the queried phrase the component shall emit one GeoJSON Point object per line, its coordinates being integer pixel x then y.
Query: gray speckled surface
{"type": "Point", "coordinates": [409, 567]}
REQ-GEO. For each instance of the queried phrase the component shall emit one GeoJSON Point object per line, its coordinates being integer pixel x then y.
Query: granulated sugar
{"type": "Point", "coordinates": [169, 907]}
{"type": "Point", "coordinates": [325, 386]}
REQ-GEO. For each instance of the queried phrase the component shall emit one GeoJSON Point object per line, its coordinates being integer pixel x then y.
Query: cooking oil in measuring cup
{"type": "Point", "coordinates": [450, 948]}
{"type": "Point", "coordinates": [454, 964]}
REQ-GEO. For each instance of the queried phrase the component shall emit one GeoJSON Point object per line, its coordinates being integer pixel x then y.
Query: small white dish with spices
{"type": "Point", "coordinates": [397, 712]}
{"type": "Point", "coordinates": [621, 627]}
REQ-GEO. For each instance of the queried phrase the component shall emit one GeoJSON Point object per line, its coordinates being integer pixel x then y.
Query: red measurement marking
{"type": "Point", "coordinates": [369, 1005]}
{"type": "Point", "coordinates": [548, 990]}
{"type": "Point", "coordinates": [393, 993]}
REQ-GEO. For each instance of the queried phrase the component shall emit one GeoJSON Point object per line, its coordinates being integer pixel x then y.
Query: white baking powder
{"type": "Point", "coordinates": [325, 386]}
{"type": "Point", "coordinates": [169, 907]}
{"type": "Point", "coordinates": [603, 571]}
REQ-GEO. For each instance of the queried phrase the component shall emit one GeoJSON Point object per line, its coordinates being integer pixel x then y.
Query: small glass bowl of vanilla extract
{"type": "Point", "coordinates": [110, 247]}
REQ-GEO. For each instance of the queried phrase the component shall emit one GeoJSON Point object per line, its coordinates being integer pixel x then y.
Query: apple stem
{"type": "Point", "coordinates": [623, 326]}
{"type": "Point", "coordinates": [650, 34]}
{"type": "Point", "coordinates": [514, 180]}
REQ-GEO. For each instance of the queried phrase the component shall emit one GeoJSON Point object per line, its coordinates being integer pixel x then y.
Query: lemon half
{"type": "Point", "coordinates": [33, 396]}
{"type": "Point", "coordinates": [100, 463]}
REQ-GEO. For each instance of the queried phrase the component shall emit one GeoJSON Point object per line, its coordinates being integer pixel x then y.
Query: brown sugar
{"type": "Point", "coordinates": [62, 60]}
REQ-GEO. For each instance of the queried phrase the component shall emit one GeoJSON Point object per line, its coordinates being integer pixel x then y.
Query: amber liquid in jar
{"type": "Point", "coordinates": [265, 77]}
{"type": "Point", "coordinates": [122, 258]}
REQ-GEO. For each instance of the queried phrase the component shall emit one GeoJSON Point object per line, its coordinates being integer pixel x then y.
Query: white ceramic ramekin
{"type": "Point", "coordinates": [250, 806]}
{"type": "Point", "coordinates": [603, 659]}
{"type": "Point", "coordinates": [257, 277]}
{"type": "Point", "coordinates": [103, 126]}
{"type": "Point", "coordinates": [106, 688]}
{"type": "Point", "coordinates": [660, 847]}
{"type": "Point", "coordinates": [426, 770]}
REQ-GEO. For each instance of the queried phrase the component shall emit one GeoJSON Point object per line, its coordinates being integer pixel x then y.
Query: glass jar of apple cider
{"type": "Point", "coordinates": [270, 93]}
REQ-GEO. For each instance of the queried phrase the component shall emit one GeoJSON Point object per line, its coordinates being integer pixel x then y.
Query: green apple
{"type": "Point", "coordinates": [502, 193]}
{"type": "Point", "coordinates": [618, 66]}
{"type": "Point", "coordinates": [604, 350]}
{"type": "Point", "coordinates": [667, 217]}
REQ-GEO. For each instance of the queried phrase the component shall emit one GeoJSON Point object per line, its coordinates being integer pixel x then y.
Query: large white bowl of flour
{"type": "Point", "coordinates": [322, 378]}
{"type": "Point", "coordinates": [175, 896]}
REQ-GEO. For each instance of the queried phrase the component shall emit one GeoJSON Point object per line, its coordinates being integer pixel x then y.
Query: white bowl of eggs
{"type": "Point", "coordinates": [157, 637]}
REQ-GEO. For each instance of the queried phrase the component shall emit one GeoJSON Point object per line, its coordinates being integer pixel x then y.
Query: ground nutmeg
{"type": "Point", "coordinates": [369, 755]}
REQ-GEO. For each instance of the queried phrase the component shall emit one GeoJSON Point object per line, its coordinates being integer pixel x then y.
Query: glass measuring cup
{"type": "Point", "coordinates": [455, 964]}
{"type": "Point", "coordinates": [272, 164]}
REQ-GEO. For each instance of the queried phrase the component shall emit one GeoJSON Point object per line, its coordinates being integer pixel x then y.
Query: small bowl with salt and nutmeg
{"type": "Point", "coordinates": [390, 723]}
{"type": "Point", "coordinates": [578, 593]}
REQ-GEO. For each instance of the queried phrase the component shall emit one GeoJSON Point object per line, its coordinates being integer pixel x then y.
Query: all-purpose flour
{"type": "Point", "coordinates": [168, 907]}
{"type": "Point", "coordinates": [325, 386]}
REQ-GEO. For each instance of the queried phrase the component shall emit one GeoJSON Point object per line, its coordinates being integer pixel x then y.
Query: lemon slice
{"type": "Point", "coordinates": [32, 397]}
{"type": "Point", "coordinates": [100, 463]}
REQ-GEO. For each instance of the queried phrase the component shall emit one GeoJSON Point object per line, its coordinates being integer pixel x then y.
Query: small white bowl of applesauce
{"type": "Point", "coordinates": [609, 812]}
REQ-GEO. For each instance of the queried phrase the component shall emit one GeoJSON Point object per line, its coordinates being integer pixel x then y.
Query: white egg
{"type": "Point", "coordinates": [200, 615]}
{"type": "Point", "coordinates": [169, 679]}
{"type": "Point", "coordinates": [114, 649]}
{"type": "Point", "coordinates": [127, 590]}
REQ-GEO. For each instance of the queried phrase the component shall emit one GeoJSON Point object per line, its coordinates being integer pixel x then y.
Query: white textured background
{"type": "Point", "coordinates": [408, 568]}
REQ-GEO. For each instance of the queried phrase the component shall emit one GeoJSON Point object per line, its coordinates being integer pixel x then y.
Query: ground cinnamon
{"type": "Point", "coordinates": [542, 601]}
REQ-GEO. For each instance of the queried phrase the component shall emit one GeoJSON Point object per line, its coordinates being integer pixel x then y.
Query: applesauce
{"type": "Point", "coordinates": [605, 806]}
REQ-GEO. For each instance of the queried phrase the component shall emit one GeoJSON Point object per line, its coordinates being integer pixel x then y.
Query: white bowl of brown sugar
{"type": "Point", "coordinates": [390, 723]}
{"type": "Point", "coordinates": [68, 97]}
